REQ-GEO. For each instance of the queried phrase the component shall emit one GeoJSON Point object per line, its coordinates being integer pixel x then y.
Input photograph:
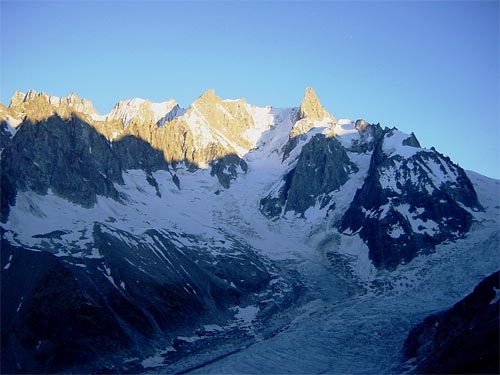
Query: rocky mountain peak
{"type": "Point", "coordinates": [310, 107]}
{"type": "Point", "coordinates": [72, 97]}
{"type": "Point", "coordinates": [79, 104]}
{"type": "Point", "coordinates": [33, 102]}
{"type": "Point", "coordinates": [210, 93]}
{"type": "Point", "coordinates": [311, 114]}
{"type": "Point", "coordinates": [361, 124]}
{"type": "Point", "coordinates": [207, 100]}
{"type": "Point", "coordinates": [142, 110]}
{"type": "Point", "coordinates": [17, 99]}
{"type": "Point", "coordinates": [115, 235]}
{"type": "Point", "coordinates": [35, 106]}
{"type": "Point", "coordinates": [31, 95]}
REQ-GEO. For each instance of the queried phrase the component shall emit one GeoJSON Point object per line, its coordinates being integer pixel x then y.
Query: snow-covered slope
{"type": "Point", "coordinates": [350, 330]}
{"type": "Point", "coordinates": [279, 234]}
{"type": "Point", "coordinates": [141, 110]}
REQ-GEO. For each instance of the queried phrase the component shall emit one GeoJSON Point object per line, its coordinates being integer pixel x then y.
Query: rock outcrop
{"type": "Point", "coordinates": [411, 200]}
{"type": "Point", "coordinates": [310, 112]}
{"type": "Point", "coordinates": [79, 154]}
{"type": "Point", "coordinates": [38, 106]}
{"type": "Point", "coordinates": [65, 313]}
{"type": "Point", "coordinates": [322, 167]}
{"type": "Point", "coordinates": [142, 111]}
{"type": "Point", "coordinates": [461, 340]}
{"type": "Point", "coordinates": [309, 116]}
{"type": "Point", "coordinates": [66, 156]}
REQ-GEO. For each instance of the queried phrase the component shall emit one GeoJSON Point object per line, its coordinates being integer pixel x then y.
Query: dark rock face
{"type": "Point", "coordinates": [67, 156]}
{"type": "Point", "coordinates": [55, 317]}
{"type": "Point", "coordinates": [461, 340]}
{"type": "Point", "coordinates": [370, 136]}
{"type": "Point", "coordinates": [412, 141]}
{"type": "Point", "coordinates": [5, 135]}
{"type": "Point", "coordinates": [226, 168]}
{"type": "Point", "coordinates": [68, 312]}
{"type": "Point", "coordinates": [134, 153]}
{"type": "Point", "coordinates": [322, 167]}
{"type": "Point", "coordinates": [408, 204]}
{"type": "Point", "coordinates": [78, 163]}
{"type": "Point", "coordinates": [170, 116]}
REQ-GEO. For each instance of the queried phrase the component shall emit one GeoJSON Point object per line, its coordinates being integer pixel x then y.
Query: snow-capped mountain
{"type": "Point", "coordinates": [172, 236]}
{"type": "Point", "coordinates": [143, 111]}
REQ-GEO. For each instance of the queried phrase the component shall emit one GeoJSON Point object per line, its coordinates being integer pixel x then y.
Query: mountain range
{"type": "Point", "coordinates": [163, 239]}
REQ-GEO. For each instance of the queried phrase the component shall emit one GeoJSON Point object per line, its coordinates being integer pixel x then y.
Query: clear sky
{"type": "Point", "coordinates": [427, 67]}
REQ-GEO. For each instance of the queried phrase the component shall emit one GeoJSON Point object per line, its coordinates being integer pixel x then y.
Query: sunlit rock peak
{"type": "Point", "coordinates": [311, 114]}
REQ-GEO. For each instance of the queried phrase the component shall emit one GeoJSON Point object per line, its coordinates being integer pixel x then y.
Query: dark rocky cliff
{"type": "Point", "coordinates": [68, 312]}
{"type": "Point", "coordinates": [322, 167]}
{"type": "Point", "coordinates": [408, 204]}
{"type": "Point", "coordinates": [461, 340]}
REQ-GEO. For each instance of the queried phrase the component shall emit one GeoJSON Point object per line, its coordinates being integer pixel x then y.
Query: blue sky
{"type": "Point", "coordinates": [427, 67]}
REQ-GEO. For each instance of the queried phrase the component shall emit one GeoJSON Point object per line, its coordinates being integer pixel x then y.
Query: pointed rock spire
{"type": "Point", "coordinates": [311, 114]}
{"type": "Point", "coordinates": [206, 105]}
{"type": "Point", "coordinates": [207, 99]}
{"type": "Point", "coordinates": [30, 95]}
{"type": "Point", "coordinates": [17, 99]}
{"type": "Point", "coordinates": [311, 107]}
{"type": "Point", "coordinates": [73, 98]}
{"type": "Point", "coordinates": [210, 93]}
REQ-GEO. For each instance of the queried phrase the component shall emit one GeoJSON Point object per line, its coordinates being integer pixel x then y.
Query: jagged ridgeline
{"type": "Point", "coordinates": [123, 230]}
{"type": "Point", "coordinates": [71, 143]}
{"type": "Point", "coordinates": [409, 200]}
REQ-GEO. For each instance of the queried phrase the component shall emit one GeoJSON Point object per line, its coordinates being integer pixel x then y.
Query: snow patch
{"type": "Point", "coordinates": [212, 328]}
{"type": "Point", "coordinates": [497, 296]}
{"type": "Point", "coordinates": [7, 266]}
{"type": "Point", "coordinates": [190, 339]}
{"type": "Point", "coordinates": [157, 359]}
{"type": "Point", "coordinates": [247, 315]}
{"type": "Point", "coordinates": [393, 144]}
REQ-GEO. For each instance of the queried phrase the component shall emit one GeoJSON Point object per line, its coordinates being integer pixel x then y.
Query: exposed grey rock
{"type": "Point", "coordinates": [461, 340]}
{"type": "Point", "coordinates": [17, 99]}
{"type": "Point", "coordinates": [152, 181]}
{"type": "Point", "coordinates": [67, 313]}
{"type": "Point", "coordinates": [361, 125]}
{"type": "Point", "coordinates": [134, 153]}
{"type": "Point", "coordinates": [5, 135]}
{"type": "Point", "coordinates": [375, 211]}
{"type": "Point", "coordinates": [176, 181]}
{"type": "Point", "coordinates": [370, 135]}
{"type": "Point", "coordinates": [322, 167]}
{"type": "Point", "coordinates": [72, 159]}
{"type": "Point", "coordinates": [311, 108]}
{"type": "Point", "coordinates": [56, 316]}
{"type": "Point", "coordinates": [412, 141]}
{"type": "Point", "coordinates": [226, 168]}
{"type": "Point", "coordinates": [31, 94]}
{"type": "Point", "coordinates": [309, 113]}
{"type": "Point", "coordinates": [67, 156]}
{"type": "Point", "coordinates": [172, 114]}
{"type": "Point", "coordinates": [290, 145]}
